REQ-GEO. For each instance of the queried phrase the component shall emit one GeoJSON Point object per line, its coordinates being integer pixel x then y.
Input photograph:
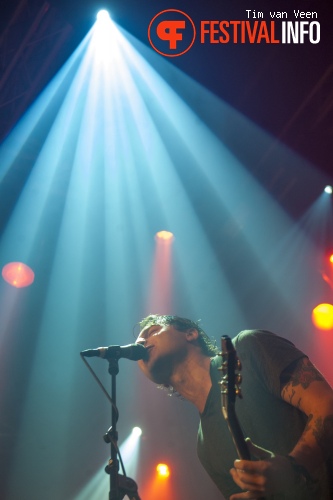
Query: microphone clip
{"type": "Point", "coordinates": [110, 436]}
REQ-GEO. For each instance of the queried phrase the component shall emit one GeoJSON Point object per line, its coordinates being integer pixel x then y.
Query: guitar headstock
{"type": "Point", "coordinates": [231, 377]}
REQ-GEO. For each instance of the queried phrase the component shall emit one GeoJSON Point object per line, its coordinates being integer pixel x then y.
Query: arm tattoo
{"type": "Point", "coordinates": [323, 432]}
{"type": "Point", "coordinates": [304, 374]}
{"type": "Point", "coordinates": [300, 373]}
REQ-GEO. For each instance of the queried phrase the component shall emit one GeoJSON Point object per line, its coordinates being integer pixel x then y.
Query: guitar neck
{"type": "Point", "coordinates": [229, 390]}
{"type": "Point", "coordinates": [237, 434]}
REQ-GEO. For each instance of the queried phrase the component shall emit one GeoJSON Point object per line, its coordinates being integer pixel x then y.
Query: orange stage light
{"type": "Point", "coordinates": [322, 316]}
{"type": "Point", "coordinates": [164, 236]}
{"type": "Point", "coordinates": [331, 258]}
{"type": "Point", "coordinates": [18, 274]}
{"type": "Point", "coordinates": [163, 470]}
{"type": "Point", "coordinates": [159, 485]}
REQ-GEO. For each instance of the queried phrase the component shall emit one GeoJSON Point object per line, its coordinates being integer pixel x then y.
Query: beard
{"type": "Point", "coordinates": [162, 369]}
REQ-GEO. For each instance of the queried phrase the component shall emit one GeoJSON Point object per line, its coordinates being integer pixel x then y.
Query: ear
{"type": "Point", "coordinates": [192, 334]}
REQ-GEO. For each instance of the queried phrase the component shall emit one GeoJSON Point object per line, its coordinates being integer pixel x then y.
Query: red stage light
{"type": "Point", "coordinates": [163, 470]}
{"type": "Point", "coordinates": [322, 316]}
{"type": "Point", "coordinates": [331, 258]}
{"type": "Point", "coordinates": [18, 274]}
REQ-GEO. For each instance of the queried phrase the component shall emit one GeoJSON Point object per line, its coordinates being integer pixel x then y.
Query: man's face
{"type": "Point", "coordinates": [166, 348]}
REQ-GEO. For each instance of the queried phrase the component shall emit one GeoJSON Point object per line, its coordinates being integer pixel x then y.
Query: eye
{"type": "Point", "coordinates": [152, 330]}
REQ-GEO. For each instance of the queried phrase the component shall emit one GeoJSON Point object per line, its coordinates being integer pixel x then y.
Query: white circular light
{"type": "Point", "coordinates": [103, 15]}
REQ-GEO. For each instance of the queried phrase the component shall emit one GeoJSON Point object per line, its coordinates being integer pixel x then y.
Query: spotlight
{"type": "Point", "coordinates": [103, 37]}
{"type": "Point", "coordinates": [136, 431]}
{"type": "Point", "coordinates": [18, 274]}
{"type": "Point", "coordinates": [165, 236]}
{"type": "Point", "coordinates": [103, 15]}
{"type": "Point", "coordinates": [322, 316]}
{"type": "Point", "coordinates": [163, 470]}
{"type": "Point", "coordinates": [328, 189]}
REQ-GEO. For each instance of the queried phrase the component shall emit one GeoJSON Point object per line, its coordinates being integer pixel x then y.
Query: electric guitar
{"type": "Point", "coordinates": [230, 389]}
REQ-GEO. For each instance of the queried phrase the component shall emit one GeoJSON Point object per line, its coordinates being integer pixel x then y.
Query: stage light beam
{"type": "Point", "coordinates": [104, 37]}
{"type": "Point", "coordinates": [161, 285]}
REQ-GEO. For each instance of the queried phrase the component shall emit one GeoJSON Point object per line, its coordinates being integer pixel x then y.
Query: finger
{"type": "Point", "coordinates": [254, 495]}
{"type": "Point", "coordinates": [252, 467]}
{"type": "Point", "coordinates": [247, 481]}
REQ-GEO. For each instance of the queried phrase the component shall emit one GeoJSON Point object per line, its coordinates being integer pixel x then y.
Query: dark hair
{"type": "Point", "coordinates": [207, 346]}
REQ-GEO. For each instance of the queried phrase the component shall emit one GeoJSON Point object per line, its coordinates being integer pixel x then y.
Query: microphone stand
{"type": "Point", "coordinates": [120, 485]}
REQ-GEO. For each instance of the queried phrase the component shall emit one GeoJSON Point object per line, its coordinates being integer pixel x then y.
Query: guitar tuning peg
{"type": "Point", "coordinates": [239, 379]}
{"type": "Point", "coordinates": [224, 386]}
{"type": "Point", "coordinates": [238, 392]}
{"type": "Point", "coordinates": [239, 364]}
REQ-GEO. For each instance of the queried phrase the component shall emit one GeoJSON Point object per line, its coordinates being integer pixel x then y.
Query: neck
{"type": "Point", "coordinates": [192, 380]}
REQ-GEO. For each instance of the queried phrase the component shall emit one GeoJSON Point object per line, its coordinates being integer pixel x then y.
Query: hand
{"type": "Point", "coordinates": [268, 475]}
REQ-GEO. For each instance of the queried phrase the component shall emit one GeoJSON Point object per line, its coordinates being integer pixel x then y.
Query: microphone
{"type": "Point", "coordinates": [134, 352]}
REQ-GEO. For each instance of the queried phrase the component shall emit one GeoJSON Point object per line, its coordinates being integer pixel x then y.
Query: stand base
{"type": "Point", "coordinates": [126, 486]}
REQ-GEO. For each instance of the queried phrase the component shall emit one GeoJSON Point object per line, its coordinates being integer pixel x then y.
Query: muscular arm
{"type": "Point", "coordinates": [306, 389]}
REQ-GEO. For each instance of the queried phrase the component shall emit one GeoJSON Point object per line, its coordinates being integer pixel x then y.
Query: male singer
{"type": "Point", "coordinates": [286, 409]}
